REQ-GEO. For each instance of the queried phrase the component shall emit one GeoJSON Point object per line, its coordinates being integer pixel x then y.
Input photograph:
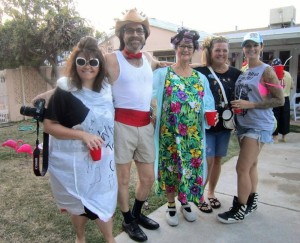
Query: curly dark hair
{"type": "Point", "coordinates": [186, 35]}
{"type": "Point", "coordinates": [88, 46]}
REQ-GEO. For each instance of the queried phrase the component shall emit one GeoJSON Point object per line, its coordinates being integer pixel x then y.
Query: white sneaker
{"type": "Point", "coordinates": [189, 216]}
{"type": "Point", "coordinates": [172, 220]}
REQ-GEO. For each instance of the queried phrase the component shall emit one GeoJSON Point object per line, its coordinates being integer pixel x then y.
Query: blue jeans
{"type": "Point", "coordinates": [217, 143]}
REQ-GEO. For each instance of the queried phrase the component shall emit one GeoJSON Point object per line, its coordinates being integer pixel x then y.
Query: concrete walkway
{"type": "Point", "coordinates": [276, 220]}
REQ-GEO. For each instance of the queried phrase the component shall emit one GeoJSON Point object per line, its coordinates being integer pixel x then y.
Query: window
{"type": "Point", "coordinates": [268, 56]}
{"type": "Point", "coordinates": [167, 58]}
{"type": "Point", "coordinates": [284, 55]}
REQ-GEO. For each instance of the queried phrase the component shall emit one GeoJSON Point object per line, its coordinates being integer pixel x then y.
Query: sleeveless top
{"type": "Point", "coordinates": [133, 87]}
{"type": "Point", "coordinates": [248, 87]}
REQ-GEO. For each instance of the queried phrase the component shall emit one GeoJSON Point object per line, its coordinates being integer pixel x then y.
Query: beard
{"type": "Point", "coordinates": [135, 43]}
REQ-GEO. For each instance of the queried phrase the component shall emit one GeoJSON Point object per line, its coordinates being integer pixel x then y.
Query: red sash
{"type": "Point", "coordinates": [132, 117]}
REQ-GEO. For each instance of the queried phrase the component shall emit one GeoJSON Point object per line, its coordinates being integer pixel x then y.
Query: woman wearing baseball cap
{"type": "Point", "coordinates": [257, 91]}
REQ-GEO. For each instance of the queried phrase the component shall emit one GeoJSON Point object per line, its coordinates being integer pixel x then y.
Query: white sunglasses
{"type": "Point", "coordinates": [93, 62]}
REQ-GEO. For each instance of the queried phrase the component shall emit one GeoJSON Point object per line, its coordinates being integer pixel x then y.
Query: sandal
{"type": "Point", "coordinates": [214, 203]}
{"type": "Point", "coordinates": [205, 208]}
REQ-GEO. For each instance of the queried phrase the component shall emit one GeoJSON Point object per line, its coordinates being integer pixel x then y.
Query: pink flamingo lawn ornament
{"type": "Point", "coordinates": [19, 146]}
{"type": "Point", "coordinates": [13, 144]}
{"type": "Point", "coordinates": [25, 148]}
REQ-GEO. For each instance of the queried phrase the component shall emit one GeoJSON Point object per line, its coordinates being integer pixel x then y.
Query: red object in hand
{"type": "Point", "coordinates": [96, 153]}
{"type": "Point", "coordinates": [279, 70]}
{"type": "Point", "coordinates": [211, 117]}
{"type": "Point", "coordinates": [237, 111]}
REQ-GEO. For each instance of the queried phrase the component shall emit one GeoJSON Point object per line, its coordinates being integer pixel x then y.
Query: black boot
{"type": "Point", "coordinates": [235, 214]}
{"type": "Point", "coordinates": [251, 203]}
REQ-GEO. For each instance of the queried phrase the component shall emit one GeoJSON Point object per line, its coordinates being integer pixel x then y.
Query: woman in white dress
{"type": "Point", "coordinates": [78, 119]}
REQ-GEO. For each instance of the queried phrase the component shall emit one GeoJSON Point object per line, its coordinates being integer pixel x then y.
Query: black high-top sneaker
{"type": "Point", "coordinates": [251, 203]}
{"type": "Point", "coordinates": [235, 214]}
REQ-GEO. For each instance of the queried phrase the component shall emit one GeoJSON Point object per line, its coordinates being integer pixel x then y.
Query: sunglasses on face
{"type": "Point", "coordinates": [93, 62]}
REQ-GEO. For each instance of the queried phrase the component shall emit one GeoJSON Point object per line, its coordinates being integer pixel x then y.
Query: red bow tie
{"type": "Point", "coordinates": [130, 55]}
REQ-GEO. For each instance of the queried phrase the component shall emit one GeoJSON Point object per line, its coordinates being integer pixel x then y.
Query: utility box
{"type": "Point", "coordinates": [283, 16]}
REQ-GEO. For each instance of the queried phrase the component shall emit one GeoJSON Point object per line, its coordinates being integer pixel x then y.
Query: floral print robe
{"type": "Point", "coordinates": [181, 147]}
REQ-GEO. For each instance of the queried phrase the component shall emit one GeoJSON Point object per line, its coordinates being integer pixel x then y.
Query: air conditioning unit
{"type": "Point", "coordinates": [284, 15]}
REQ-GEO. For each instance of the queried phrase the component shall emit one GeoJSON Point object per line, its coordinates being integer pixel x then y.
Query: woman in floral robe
{"type": "Point", "coordinates": [181, 95]}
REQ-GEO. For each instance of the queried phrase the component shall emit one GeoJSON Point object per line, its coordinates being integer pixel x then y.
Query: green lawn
{"type": "Point", "coordinates": [28, 212]}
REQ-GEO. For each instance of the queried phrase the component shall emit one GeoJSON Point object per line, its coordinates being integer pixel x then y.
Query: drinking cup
{"type": "Point", "coordinates": [279, 70]}
{"type": "Point", "coordinates": [211, 117]}
{"type": "Point", "coordinates": [237, 111]}
{"type": "Point", "coordinates": [96, 153]}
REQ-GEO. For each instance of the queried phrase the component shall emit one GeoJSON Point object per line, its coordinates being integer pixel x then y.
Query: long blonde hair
{"type": "Point", "coordinates": [207, 46]}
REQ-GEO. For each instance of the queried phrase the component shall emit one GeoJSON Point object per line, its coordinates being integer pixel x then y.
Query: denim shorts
{"type": "Point", "coordinates": [262, 136]}
{"type": "Point", "coordinates": [217, 143]}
